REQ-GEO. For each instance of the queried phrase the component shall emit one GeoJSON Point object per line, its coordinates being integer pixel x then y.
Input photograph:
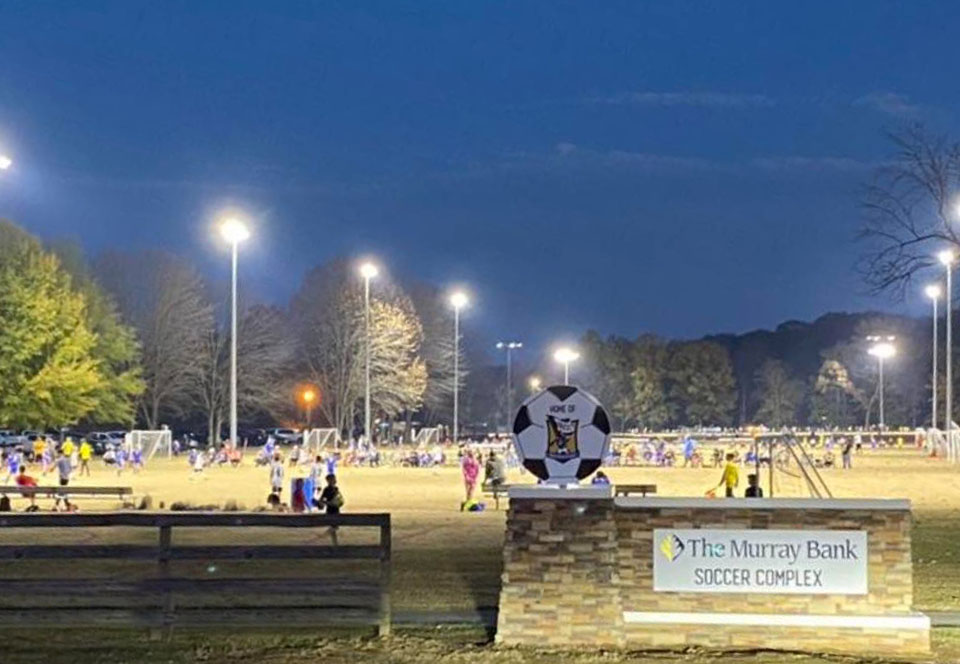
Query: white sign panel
{"type": "Point", "coordinates": [819, 562]}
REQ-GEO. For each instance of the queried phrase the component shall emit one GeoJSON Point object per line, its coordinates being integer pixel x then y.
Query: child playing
{"type": "Point", "coordinates": [731, 475]}
{"type": "Point", "coordinates": [276, 475]}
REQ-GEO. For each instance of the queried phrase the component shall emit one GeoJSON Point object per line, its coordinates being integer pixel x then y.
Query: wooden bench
{"type": "Point", "coordinates": [495, 492]}
{"type": "Point", "coordinates": [119, 492]}
{"type": "Point", "coordinates": [629, 489]}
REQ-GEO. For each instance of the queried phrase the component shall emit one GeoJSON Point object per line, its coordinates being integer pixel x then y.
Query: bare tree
{"type": "Point", "coordinates": [265, 353]}
{"type": "Point", "coordinates": [162, 297]}
{"type": "Point", "coordinates": [328, 311]}
{"type": "Point", "coordinates": [436, 317]}
{"type": "Point", "coordinates": [910, 209]}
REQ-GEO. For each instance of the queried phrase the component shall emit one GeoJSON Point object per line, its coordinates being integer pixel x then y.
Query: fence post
{"type": "Point", "coordinates": [386, 611]}
{"type": "Point", "coordinates": [163, 563]}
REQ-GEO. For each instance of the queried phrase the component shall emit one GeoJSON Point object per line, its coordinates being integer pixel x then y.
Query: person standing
{"type": "Point", "coordinates": [731, 475]}
{"type": "Point", "coordinates": [470, 468]}
{"type": "Point", "coordinates": [689, 447]}
{"type": "Point", "coordinates": [85, 453]}
{"type": "Point", "coordinates": [64, 468]}
{"type": "Point", "coordinates": [330, 498]}
{"type": "Point", "coordinates": [276, 475]}
{"type": "Point", "coordinates": [847, 453]}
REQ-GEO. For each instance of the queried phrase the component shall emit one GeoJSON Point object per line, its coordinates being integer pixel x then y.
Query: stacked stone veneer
{"type": "Point", "coordinates": [572, 567]}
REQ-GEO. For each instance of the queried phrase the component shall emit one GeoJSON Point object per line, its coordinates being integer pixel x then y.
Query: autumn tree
{"type": "Point", "coordinates": [49, 375]}
{"type": "Point", "coordinates": [116, 349]}
{"type": "Point", "coordinates": [328, 312]}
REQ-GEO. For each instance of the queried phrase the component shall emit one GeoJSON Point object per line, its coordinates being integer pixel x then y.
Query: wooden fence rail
{"type": "Point", "coordinates": [150, 600]}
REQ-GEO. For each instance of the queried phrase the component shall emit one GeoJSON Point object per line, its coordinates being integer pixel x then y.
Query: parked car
{"type": "Point", "coordinates": [10, 438]}
{"type": "Point", "coordinates": [288, 436]}
{"type": "Point", "coordinates": [102, 440]}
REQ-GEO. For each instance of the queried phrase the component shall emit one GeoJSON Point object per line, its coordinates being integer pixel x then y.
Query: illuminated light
{"type": "Point", "coordinates": [234, 231]}
{"type": "Point", "coordinates": [369, 271]}
{"type": "Point", "coordinates": [459, 300]}
{"type": "Point", "coordinates": [566, 355]}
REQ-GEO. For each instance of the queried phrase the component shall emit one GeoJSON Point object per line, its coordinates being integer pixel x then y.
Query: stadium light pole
{"type": "Point", "coordinates": [933, 292]}
{"type": "Point", "coordinates": [368, 271]}
{"type": "Point", "coordinates": [233, 231]}
{"type": "Point", "coordinates": [882, 350]}
{"type": "Point", "coordinates": [458, 300]}
{"type": "Point", "coordinates": [947, 258]}
{"type": "Point", "coordinates": [565, 356]}
{"type": "Point", "coordinates": [509, 346]}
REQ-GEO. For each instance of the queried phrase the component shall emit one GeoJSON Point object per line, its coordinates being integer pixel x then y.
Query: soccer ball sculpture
{"type": "Point", "coordinates": [562, 434]}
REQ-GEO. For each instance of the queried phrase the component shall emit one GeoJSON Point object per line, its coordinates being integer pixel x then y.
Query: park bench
{"type": "Point", "coordinates": [495, 492]}
{"type": "Point", "coordinates": [630, 489]}
{"type": "Point", "coordinates": [119, 492]}
{"type": "Point", "coordinates": [71, 492]}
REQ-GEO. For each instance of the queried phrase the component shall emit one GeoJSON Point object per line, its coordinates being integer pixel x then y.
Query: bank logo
{"type": "Point", "coordinates": [562, 441]}
{"type": "Point", "coordinates": [671, 547]}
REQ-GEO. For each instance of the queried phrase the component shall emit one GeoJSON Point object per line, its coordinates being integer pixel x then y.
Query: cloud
{"type": "Point", "coordinates": [566, 153]}
{"type": "Point", "coordinates": [819, 163]}
{"type": "Point", "coordinates": [889, 103]}
{"type": "Point", "coordinates": [693, 99]}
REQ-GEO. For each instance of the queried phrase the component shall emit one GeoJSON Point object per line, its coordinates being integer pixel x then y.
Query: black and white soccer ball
{"type": "Point", "coordinates": [561, 434]}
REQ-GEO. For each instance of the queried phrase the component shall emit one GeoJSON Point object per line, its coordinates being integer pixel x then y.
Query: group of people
{"type": "Point", "coordinates": [306, 495]}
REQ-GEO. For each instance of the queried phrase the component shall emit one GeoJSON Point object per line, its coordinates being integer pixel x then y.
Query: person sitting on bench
{"type": "Point", "coordinates": [25, 480]}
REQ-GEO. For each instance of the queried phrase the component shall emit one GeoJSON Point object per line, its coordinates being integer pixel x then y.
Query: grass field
{"type": "Point", "coordinates": [446, 560]}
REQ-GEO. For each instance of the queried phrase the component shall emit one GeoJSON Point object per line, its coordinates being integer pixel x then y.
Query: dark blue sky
{"type": "Point", "coordinates": [679, 168]}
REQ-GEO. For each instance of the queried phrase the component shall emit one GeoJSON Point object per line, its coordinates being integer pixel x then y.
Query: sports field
{"type": "Point", "coordinates": [446, 560]}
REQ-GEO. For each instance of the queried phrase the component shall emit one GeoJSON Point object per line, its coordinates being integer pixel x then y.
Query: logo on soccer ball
{"type": "Point", "coordinates": [562, 438]}
{"type": "Point", "coordinates": [561, 434]}
{"type": "Point", "coordinates": [671, 547]}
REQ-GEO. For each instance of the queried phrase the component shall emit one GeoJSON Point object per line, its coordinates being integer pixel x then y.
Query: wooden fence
{"type": "Point", "coordinates": [149, 598]}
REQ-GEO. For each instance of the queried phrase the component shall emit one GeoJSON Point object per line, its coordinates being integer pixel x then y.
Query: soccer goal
{"type": "Point", "coordinates": [427, 436]}
{"type": "Point", "coordinates": [152, 442]}
{"type": "Point", "coordinates": [315, 440]}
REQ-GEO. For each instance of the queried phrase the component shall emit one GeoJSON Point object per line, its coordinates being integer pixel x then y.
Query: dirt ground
{"type": "Point", "coordinates": [446, 560]}
{"type": "Point", "coordinates": [446, 646]}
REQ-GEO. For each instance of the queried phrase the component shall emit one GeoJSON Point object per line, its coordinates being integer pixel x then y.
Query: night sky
{"type": "Point", "coordinates": [671, 167]}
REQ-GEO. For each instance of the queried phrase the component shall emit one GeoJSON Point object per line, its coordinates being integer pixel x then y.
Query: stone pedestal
{"type": "Point", "coordinates": [561, 570]}
{"type": "Point", "coordinates": [578, 571]}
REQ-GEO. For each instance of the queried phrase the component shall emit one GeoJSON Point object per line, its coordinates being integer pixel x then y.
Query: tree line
{"type": "Point", "coordinates": [818, 374]}
{"type": "Point", "coordinates": [142, 337]}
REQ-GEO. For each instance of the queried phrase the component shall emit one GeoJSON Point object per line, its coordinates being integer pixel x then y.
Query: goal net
{"type": "Point", "coordinates": [427, 436]}
{"type": "Point", "coordinates": [151, 442]}
{"type": "Point", "coordinates": [315, 440]}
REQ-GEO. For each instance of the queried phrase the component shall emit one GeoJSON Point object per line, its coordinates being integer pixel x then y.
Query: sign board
{"type": "Point", "coordinates": [818, 562]}
{"type": "Point", "coordinates": [561, 434]}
